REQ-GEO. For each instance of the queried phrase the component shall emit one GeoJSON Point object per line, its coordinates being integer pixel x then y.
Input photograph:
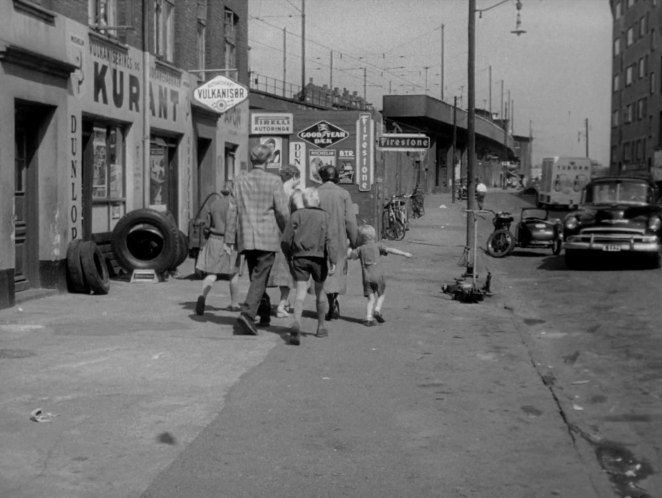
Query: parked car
{"type": "Point", "coordinates": [616, 215]}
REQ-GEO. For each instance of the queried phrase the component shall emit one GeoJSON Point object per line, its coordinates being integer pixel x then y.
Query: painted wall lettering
{"type": "Point", "coordinates": [74, 210]}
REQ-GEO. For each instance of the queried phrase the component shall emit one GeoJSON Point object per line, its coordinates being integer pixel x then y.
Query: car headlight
{"type": "Point", "coordinates": [571, 223]}
{"type": "Point", "coordinates": [654, 223]}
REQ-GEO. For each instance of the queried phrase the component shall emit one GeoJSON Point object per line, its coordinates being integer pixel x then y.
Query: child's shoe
{"type": "Point", "coordinates": [369, 323]}
{"type": "Point", "coordinates": [322, 332]}
{"type": "Point", "coordinates": [378, 316]}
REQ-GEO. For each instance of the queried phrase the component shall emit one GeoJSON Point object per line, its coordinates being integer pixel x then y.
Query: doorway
{"type": "Point", "coordinates": [29, 124]}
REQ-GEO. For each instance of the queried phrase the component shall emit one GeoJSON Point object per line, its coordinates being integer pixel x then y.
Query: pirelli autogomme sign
{"type": "Point", "coordinates": [404, 142]}
{"type": "Point", "coordinates": [323, 134]}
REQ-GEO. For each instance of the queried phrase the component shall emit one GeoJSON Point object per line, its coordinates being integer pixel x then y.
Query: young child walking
{"type": "Point", "coordinates": [308, 247]}
{"type": "Point", "coordinates": [374, 284]}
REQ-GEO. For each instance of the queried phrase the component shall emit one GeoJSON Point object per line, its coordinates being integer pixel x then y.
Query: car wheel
{"type": "Point", "coordinates": [500, 243]}
{"type": "Point", "coordinates": [572, 259]}
{"type": "Point", "coordinates": [145, 239]}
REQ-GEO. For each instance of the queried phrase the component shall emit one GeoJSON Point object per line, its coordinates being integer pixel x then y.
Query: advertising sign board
{"type": "Point", "coordinates": [220, 94]}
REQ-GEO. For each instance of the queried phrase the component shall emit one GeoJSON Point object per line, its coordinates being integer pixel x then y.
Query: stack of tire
{"type": "Point", "coordinates": [87, 271]}
{"type": "Point", "coordinates": [147, 239]}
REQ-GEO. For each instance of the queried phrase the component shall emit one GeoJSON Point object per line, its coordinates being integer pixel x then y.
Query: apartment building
{"type": "Point", "coordinates": [100, 119]}
{"type": "Point", "coordinates": [636, 119]}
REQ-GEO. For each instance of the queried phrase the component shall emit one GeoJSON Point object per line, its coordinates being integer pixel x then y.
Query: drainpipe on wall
{"type": "Point", "coordinates": [146, 136]}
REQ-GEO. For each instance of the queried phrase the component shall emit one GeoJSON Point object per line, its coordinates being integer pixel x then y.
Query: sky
{"type": "Point", "coordinates": [557, 75]}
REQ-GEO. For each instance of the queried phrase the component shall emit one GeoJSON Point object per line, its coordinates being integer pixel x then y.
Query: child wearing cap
{"type": "Point", "coordinates": [374, 284]}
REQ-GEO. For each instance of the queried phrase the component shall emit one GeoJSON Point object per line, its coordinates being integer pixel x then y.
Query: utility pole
{"type": "Point", "coordinates": [284, 59]}
{"type": "Point", "coordinates": [331, 70]}
{"type": "Point", "coordinates": [490, 93]}
{"type": "Point", "coordinates": [442, 62]}
{"type": "Point", "coordinates": [303, 50]}
{"type": "Point", "coordinates": [364, 85]}
{"type": "Point", "coordinates": [586, 127]}
{"type": "Point", "coordinates": [471, 142]}
{"type": "Point", "coordinates": [454, 149]}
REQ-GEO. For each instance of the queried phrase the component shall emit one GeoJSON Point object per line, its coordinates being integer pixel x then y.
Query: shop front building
{"type": "Point", "coordinates": [95, 128]}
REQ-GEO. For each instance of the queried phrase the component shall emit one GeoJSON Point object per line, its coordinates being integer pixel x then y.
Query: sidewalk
{"type": "Point", "coordinates": [129, 379]}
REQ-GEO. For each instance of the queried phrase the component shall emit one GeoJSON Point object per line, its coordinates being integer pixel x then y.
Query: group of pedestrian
{"type": "Point", "coordinates": [290, 238]}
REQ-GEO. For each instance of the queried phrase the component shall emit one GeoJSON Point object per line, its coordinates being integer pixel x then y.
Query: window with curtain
{"type": "Point", "coordinates": [230, 33]}
{"type": "Point", "coordinates": [102, 13]}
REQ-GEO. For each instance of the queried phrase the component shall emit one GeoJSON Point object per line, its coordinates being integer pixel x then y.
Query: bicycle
{"type": "Point", "coordinates": [393, 226]}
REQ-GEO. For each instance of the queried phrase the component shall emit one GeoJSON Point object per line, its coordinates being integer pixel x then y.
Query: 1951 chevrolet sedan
{"type": "Point", "coordinates": [620, 215]}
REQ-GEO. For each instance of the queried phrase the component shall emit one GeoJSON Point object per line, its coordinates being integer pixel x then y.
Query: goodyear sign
{"type": "Point", "coordinates": [404, 142]}
{"type": "Point", "coordinates": [323, 134]}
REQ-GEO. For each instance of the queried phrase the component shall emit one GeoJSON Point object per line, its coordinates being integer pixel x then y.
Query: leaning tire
{"type": "Point", "coordinates": [182, 250]}
{"type": "Point", "coordinates": [75, 277]}
{"type": "Point", "coordinates": [500, 243]}
{"type": "Point", "coordinates": [145, 239]}
{"type": "Point", "coordinates": [94, 267]}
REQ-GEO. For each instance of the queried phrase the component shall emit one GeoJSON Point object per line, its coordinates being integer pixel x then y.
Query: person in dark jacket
{"type": "Point", "coordinates": [312, 252]}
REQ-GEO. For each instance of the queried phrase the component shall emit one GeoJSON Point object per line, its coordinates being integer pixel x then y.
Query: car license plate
{"type": "Point", "coordinates": [612, 248]}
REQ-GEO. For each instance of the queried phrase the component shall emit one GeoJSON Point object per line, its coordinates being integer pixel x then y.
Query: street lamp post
{"type": "Point", "coordinates": [471, 126]}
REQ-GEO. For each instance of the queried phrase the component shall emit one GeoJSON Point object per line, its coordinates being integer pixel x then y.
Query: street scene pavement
{"type": "Point", "coordinates": [131, 394]}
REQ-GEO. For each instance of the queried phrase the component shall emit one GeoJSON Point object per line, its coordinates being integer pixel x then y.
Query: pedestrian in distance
{"type": "Point", "coordinates": [215, 259]}
{"type": "Point", "coordinates": [481, 190]}
{"type": "Point", "coordinates": [337, 202]}
{"type": "Point", "coordinates": [374, 283]}
{"type": "Point", "coordinates": [312, 252]}
{"type": "Point", "coordinates": [257, 216]}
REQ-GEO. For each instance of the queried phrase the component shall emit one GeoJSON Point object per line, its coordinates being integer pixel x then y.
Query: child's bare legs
{"type": "Point", "coordinates": [372, 299]}
{"type": "Point", "coordinates": [322, 309]}
{"type": "Point", "coordinates": [207, 284]}
{"type": "Point", "coordinates": [284, 301]}
{"type": "Point", "coordinates": [300, 297]}
{"type": "Point", "coordinates": [377, 313]}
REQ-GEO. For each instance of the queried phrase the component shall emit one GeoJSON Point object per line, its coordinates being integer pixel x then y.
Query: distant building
{"type": "Point", "coordinates": [636, 103]}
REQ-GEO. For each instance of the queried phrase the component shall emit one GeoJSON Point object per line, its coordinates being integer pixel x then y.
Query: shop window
{"type": "Point", "coordinates": [108, 176]}
{"type": "Point", "coordinates": [230, 160]}
{"type": "Point", "coordinates": [164, 29]}
{"type": "Point", "coordinates": [163, 173]}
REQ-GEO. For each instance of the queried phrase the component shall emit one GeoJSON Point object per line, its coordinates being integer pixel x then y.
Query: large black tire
{"type": "Point", "coordinates": [95, 268]}
{"type": "Point", "coordinates": [75, 277]}
{"type": "Point", "coordinates": [182, 250]}
{"type": "Point", "coordinates": [500, 243]}
{"type": "Point", "coordinates": [146, 239]}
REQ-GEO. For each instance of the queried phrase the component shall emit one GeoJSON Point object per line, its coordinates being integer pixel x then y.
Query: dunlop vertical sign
{"type": "Point", "coordinates": [365, 152]}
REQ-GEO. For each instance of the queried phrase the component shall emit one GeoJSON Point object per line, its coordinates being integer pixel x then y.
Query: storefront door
{"type": "Point", "coordinates": [28, 123]}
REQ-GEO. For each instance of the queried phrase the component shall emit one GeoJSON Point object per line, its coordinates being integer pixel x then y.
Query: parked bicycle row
{"type": "Point", "coordinates": [396, 213]}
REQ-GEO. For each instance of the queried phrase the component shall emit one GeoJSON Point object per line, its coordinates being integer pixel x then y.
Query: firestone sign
{"type": "Point", "coordinates": [220, 94]}
{"type": "Point", "coordinates": [323, 134]}
{"type": "Point", "coordinates": [404, 142]}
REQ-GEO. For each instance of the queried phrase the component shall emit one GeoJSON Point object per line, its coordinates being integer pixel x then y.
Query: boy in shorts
{"type": "Point", "coordinates": [374, 285]}
{"type": "Point", "coordinates": [311, 253]}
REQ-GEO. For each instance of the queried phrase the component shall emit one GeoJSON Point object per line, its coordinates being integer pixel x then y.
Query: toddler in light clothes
{"type": "Point", "coordinates": [374, 284]}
